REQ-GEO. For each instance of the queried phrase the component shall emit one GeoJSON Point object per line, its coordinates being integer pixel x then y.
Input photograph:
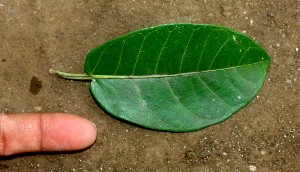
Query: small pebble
{"type": "Point", "coordinates": [252, 168]}
{"type": "Point", "coordinates": [38, 108]}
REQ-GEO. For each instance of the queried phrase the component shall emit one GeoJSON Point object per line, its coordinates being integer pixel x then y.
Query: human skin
{"type": "Point", "coordinates": [20, 133]}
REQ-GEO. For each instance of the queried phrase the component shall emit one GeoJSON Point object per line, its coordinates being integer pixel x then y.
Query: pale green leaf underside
{"type": "Point", "coordinates": [207, 74]}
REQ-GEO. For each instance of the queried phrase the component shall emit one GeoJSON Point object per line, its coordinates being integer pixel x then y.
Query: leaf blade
{"type": "Point", "coordinates": [204, 76]}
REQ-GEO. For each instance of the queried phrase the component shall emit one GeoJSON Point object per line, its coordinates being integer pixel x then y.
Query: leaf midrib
{"type": "Point", "coordinates": [91, 77]}
{"type": "Point", "coordinates": [170, 75]}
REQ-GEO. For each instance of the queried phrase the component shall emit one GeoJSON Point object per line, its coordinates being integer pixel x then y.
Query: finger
{"type": "Point", "coordinates": [21, 133]}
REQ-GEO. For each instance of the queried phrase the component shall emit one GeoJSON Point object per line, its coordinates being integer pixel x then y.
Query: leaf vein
{"type": "Point", "coordinates": [186, 47]}
{"type": "Point", "coordinates": [160, 53]}
{"type": "Point", "coordinates": [151, 111]}
{"type": "Point", "coordinates": [139, 53]}
{"type": "Point", "coordinates": [100, 89]}
{"type": "Point", "coordinates": [121, 54]}
{"type": "Point", "coordinates": [127, 114]}
{"type": "Point", "coordinates": [200, 58]}
{"type": "Point", "coordinates": [101, 57]}
{"type": "Point", "coordinates": [242, 57]}
{"type": "Point", "coordinates": [213, 60]}
{"type": "Point", "coordinates": [177, 99]}
{"type": "Point", "coordinates": [212, 91]}
{"type": "Point", "coordinates": [243, 77]}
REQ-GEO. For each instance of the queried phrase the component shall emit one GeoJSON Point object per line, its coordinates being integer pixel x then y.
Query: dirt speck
{"type": "Point", "coordinates": [35, 85]}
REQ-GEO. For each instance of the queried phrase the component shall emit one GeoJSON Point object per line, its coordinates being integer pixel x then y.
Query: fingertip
{"type": "Point", "coordinates": [89, 132]}
{"type": "Point", "coordinates": [66, 132]}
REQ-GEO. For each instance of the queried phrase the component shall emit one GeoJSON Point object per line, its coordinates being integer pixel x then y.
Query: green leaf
{"type": "Point", "coordinates": [177, 77]}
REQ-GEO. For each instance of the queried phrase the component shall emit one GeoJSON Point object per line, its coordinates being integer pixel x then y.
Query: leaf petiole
{"type": "Point", "coordinates": [74, 76]}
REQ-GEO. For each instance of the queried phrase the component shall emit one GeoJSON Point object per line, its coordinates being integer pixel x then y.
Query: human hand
{"type": "Point", "coordinates": [20, 133]}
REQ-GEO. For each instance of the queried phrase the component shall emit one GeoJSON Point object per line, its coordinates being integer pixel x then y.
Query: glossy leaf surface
{"type": "Point", "coordinates": [179, 77]}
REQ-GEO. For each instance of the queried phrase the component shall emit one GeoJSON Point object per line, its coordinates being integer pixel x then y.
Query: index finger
{"type": "Point", "coordinates": [21, 133]}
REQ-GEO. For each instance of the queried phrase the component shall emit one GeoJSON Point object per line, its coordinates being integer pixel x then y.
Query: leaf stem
{"type": "Point", "coordinates": [73, 76]}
